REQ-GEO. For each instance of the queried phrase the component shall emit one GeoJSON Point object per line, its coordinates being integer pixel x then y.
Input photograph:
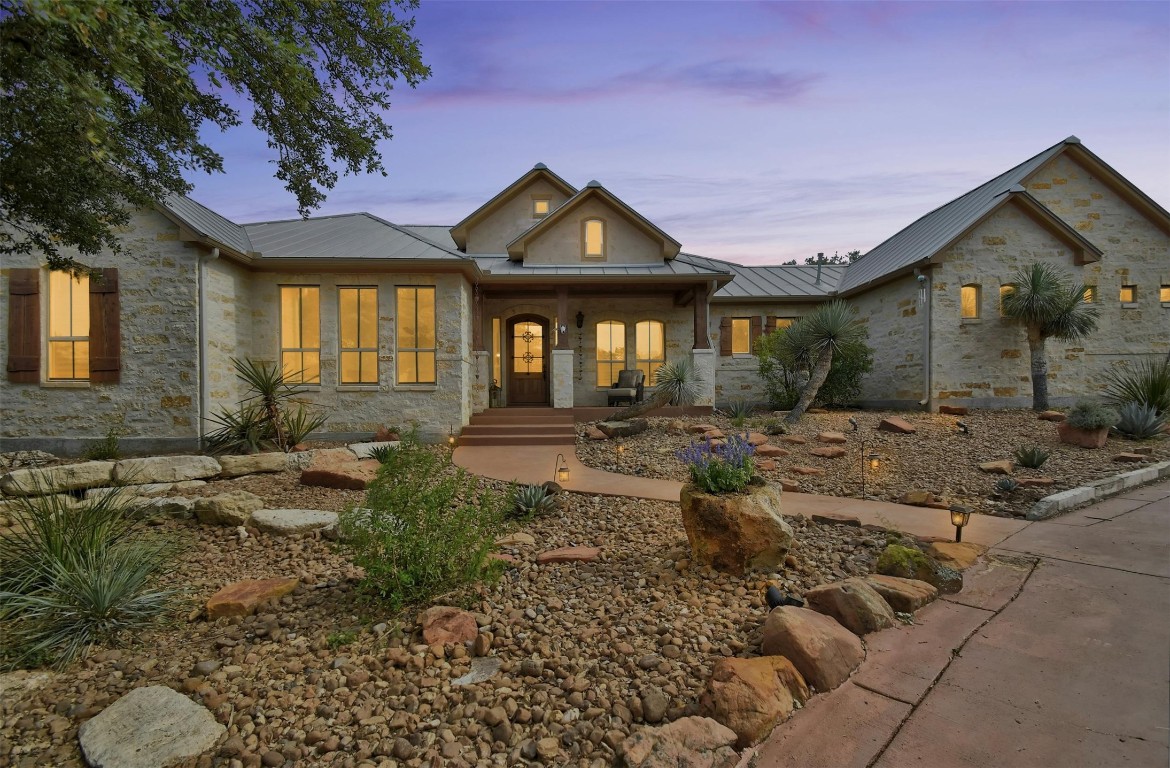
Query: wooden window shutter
{"type": "Point", "coordinates": [770, 325]}
{"type": "Point", "coordinates": [105, 335]}
{"type": "Point", "coordinates": [757, 329]}
{"type": "Point", "coordinates": [24, 326]}
{"type": "Point", "coordinates": [725, 337]}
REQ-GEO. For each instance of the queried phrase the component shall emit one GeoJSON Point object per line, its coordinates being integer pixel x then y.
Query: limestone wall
{"type": "Point", "coordinates": [228, 328]}
{"type": "Point", "coordinates": [495, 231]}
{"type": "Point", "coordinates": [894, 316]}
{"type": "Point", "coordinates": [562, 242]}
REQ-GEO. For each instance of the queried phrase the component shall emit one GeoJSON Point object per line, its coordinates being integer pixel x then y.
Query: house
{"type": "Point", "coordinates": [547, 291]}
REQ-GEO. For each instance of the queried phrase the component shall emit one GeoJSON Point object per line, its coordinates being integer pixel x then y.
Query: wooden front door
{"type": "Point", "coordinates": [528, 360]}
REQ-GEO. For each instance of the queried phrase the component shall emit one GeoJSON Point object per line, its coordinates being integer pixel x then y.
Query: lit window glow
{"type": "Point", "coordinates": [300, 333]}
{"type": "Point", "coordinates": [741, 336]}
{"type": "Point", "coordinates": [595, 238]}
{"type": "Point", "coordinates": [649, 348]}
{"type": "Point", "coordinates": [611, 351]}
{"type": "Point", "coordinates": [68, 326]}
{"type": "Point", "coordinates": [969, 300]}
{"type": "Point", "coordinates": [416, 335]}
{"type": "Point", "coordinates": [358, 323]}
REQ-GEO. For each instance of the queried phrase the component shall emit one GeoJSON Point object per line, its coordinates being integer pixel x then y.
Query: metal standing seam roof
{"type": "Point", "coordinates": [347, 236]}
{"type": "Point", "coordinates": [928, 235]}
{"type": "Point", "coordinates": [773, 282]}
{"type": "Point", "coordinates": [208, 223]}
{"type": "Point", "coordinates": [501, 266]}
{"type": "Point", "coordinates": [439, 235]}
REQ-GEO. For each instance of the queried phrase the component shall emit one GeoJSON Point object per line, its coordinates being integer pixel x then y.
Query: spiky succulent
{"type": "Point", "coordinates": [1032, 457]}
{"type": "Point", "coordinates": [1140, 422]}
{"type": "Point", "coordinates": [533, 501]}
{"type": "Point", "coordinates": [1006, 484]}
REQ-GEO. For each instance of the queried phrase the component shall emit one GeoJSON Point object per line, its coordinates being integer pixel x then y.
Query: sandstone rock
{"type": "Point", "coordinates": [232, 508]}
{"type": "Point", "coordinates": [627, 428]}
{"type": "Point", "coordinates": [1052, 416]}
{"type": "Point", "coordinates": [832, 437]}
{"type": "Point", "coordinates": [751, 696]}
{"type": "Point", "coordinates": [1144, 450]}
{"type": "Point", "coordinates": [676, 426]}
{"type": "Point", "coordinates": [699, 429]}
{"type": "Point", "coordinates": [1001, 467]}
{"type": "Point", "coordinates": [516, 539]}
{"type": "Point", "coordinates": [569, 555]}
{"type": "Point", "coordinates": [853, 603]}
{"type": "Point", "coordinates": [244, 597]}
{"type": "Point", "coordinates": [253, 464]}
{"type": "Point", "coordinates": [333, 469]}
{"type": "Point", "coordinates": [69, 477]}
{"type": "Point", "coordinates": [794, 439]}
{"type": "Point", "coordinates": [959, 555]}
{"type": "Point", "coordinates": [147, 728]}
{"type": "Point", "coordinates": [770, 451]}
{"type": "Point", "coordinates": [808, 470]}
{"type": "Point", "coordinates": [910, 563]}
{"type": "Point", "coordinates": [366, 450]}
{"type": "Point", "coordinates": [1085, 438]}
{"type": "Point", "coordinates": [903, 595]}
{"type": "Point", "coordinates": [789, 486]}
{"type": "Point", "coordinates": [689, 742]}
{"type": "Point", "coordinates": [165, 469]}
{"type": "Point", "coordinates": [1130, 458]}
{"type": "Point", "coordinates": [177, 507]}
{"type": "Point", "coordinates": [757, 438]}
{"type": "Point", "coordinates": [446, 625]}
{"type": "Point", "coordinates": [766, 465]}
{"type": "Point", "coordinates": [953, 410]}
{"type": "Point", "coordinates": [593, 433]}
{"type": "Point", "coordinates": [832, 518]}
{"type": "Point", "coordinates": [736, 532]}
{"type": "Point", "coordinates": [918, 498]}
{"type": "Point", "coordinates": [897, 425]}
{"type": "Point", "coordinates": [1036, 482]}
{"type": "Point", "coordinates": [823, 651]}
{"type": "Point", "coordinates": [287, 522]}
{"type": "Point", "coordinates": [714, 434]}
{"type": "Point", "coordinates": [829, 452]}
{"type": "Point", "coordinates": [384, 435]}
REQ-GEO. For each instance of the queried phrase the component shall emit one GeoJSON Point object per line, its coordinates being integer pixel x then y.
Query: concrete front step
{"type": "Point", "coordinates": [520, 438]}
{"type": "Point", "coordinates": [523, 416]}
{"type": "Point", "coordinates": [505, 429]}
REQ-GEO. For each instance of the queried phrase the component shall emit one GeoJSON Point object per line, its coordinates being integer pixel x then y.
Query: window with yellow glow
{"type": "Point", "coordinates": [357, 321]}
{"type": "Point", "coordinates": [1129, 294]}
{"type": "Point", "coordinates": [1164, 294]}
{"type": "Point", "coordinates": [595, 238]}
{"type": "Point", "coordinates": [782, 323]}
{"type": "Point", "coordinates": [68, 326]}
{"type": "Point", "coordinates": [528, 347]}
{"type": "Point", "coordinates": [969, 302]}
{"type": "Point", "coordinates": [540, 208]}
{"type": "Point", "coordinates": [416, 335]}
{"type": "Point", "coordinates": [1004, 290]}
{"type": "Point", "coordinates": [649, 348]}
{"type": "Point", "coordinates": [300, 333]}
{"type": "Point", "coordinates": [741, 335]}
{"type": "Point", "coordinates": [611, 351]}
{"type": "Point", "coordinates": [497, 356]}
{"type": "Point", "coordinates": [1090, 295]}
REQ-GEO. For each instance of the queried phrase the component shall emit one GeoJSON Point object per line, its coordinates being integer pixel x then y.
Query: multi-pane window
{"type": "Point", "coordinates": [1090, 295]}
{"type": "Point", "coordinates": [416, 335]}
{"type": "Point", "coordinates": [611, 351]}
{"type": "Point", "coordinates": [357, 320]}
{"type": "Point", "coordinates": [68, 326]}
{"type": "Point", "coordinates": [782, 323]}
{"type": "Point", "coordinates": [741, 335]}
{"type": "Point", "coordinates": [969, 302]}
{"type": "Point", "coordinates": [595, 238]}
{"type": "Point", "coordinates": [649, 348]}
{"type": "Point", "coordinates": [540, 208]}
{"type": "Point", "coordinates": [1129, 294]}
{"type": "Point", "coordinates": [527, 347]}
{"type": "Point", "coordinates": [300, 333]}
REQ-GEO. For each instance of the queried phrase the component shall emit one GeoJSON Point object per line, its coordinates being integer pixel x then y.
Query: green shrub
{"type": "Point", "coordinates": [382, 453]}
{"type": "Point", "coordinates": [784, 365]}
{"type": "Point", "coordinates": [1032, 457]}
{"type": "Point", "coordinates": [532, 501]}
{"type": "Point", "coordinates": [1086, 415]}
{"type": "Point", "coordinates": [1147, 383]}
{"type": "Point", "coordinates": [340, 638]}
{"type": "Point", "coordinates": [738, 411]}
{"type": "Point", "coordinates": [105, 449]}
{"type": "Point", "coordinates": [72, 576]}
{"type": "Point", "coordinates": [426, 527]}
{"type": "Point", "coordinates": [265, 418]}
{"type": "Point", "coordinates": [1140, 422]}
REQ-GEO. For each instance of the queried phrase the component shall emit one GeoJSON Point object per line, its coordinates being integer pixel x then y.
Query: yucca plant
{"type": "Point", "coordinates": [299, 424]}
{"type": "Point", "coordinates": [1147, 383]}
{"type": "Point", "coordinates": [675, 383]}
{"type": "Point", "coordinates": [382, 453]}
{"type": "Point", "coordinates": [533, 501]}
{"type": "Point", "coordinates": [1007, 485]}
{"type": "Point", "coordinates": [76, 575]}
{"type": "Point", "coordinates": [1139, 421]}
{"type": "Point", "coordinates": [1032, 457]}
{"type": "Point", "coordinates": [264, 418]}
{"type": "Point", "coordinates": [830, 329]}
{"type": "Point", "coordinates": [738, 411]}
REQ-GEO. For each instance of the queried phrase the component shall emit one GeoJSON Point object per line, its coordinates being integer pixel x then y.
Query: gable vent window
{"type": "Point", "coordinates": [969, 302]}
{"type": "Point", "coordinates": [540, 208]}
{"type": "Point", "coordinates": [594, 238]}
{"type": "Point", "coordinates": [1129, 294]}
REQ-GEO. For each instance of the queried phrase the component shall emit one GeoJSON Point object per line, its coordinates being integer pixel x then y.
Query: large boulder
{"type": "Point", "coordinates": [823, 651]}
{"type": "Point", "coordinates": [736, 532]}
{"type": "Point", "coordinates": [751, 696]}
{"type": "Point", "coordinates": [897, 425]}
{"type": "Point", "coordinates": [165, 469]}
{"type": "Point", "coordinates": [689, 742]}
{"type": "Point", "coordinates": [252, 464]}
{"type": "Point", "coordinates": [147, 728]}
{"type": "Point", "coordinates": [853, 603]}
{"type": "Point", "coordinates": [340, 468]}
{"type": "Point", "coordinates": [903, 595]}
{"type": "Point", "coordinates": [447, 625]}
{"type": "Point", "coordinates": [627, 428]}
{"type": "Point", "coordinates": [910, 563]}
{"type": "Point", "coordinates": [959, 555]}
{"type": "Point", "coordinates": [232, 508]}
{"type": "Point", "coordinates": [243, 597]}
{"type": "Point", "coordinates": [287, 522]}
{"type": "Point", "coordinates": [68, 477]}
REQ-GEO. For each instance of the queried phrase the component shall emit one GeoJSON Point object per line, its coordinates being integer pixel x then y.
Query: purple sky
{"type": "Point", "coordinates": [755, 132]}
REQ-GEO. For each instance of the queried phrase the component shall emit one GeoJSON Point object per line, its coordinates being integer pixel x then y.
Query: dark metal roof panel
{"type": "Point", "coordinates": [502, 266]}
{"type": "Point", "coordinates": [349, 236]}
{"type": "Point", "coordinates": [772, 282]}
{"type": "Point", "coordinates": [208, 223]}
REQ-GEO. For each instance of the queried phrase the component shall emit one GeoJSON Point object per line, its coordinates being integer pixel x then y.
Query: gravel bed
{"type": "Point", "coordinates": [937, 458]}
{"type": "Point", "coordinates": [588, 651]}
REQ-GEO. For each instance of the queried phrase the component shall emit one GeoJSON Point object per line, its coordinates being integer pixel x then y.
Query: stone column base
{"type": "Point", "coordinates": [562, 378]}
{"type": "Point", "coordinates": [480, 384]}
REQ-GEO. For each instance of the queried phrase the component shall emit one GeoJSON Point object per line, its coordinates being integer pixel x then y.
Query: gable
{"type": "Point", "coordinates": [510, 211]}
{"type": "Point", "coordinates": [1009, 237]}
{"type": "Point", "coordinates": [562, 241]}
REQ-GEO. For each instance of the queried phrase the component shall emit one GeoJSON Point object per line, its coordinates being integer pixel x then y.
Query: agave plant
{"type": "Point", "coordinates": [1139, 421]}
{"type": "Point", "coordinates": [1007, 485]}
{"type": "Point", "coordinates": [675, 383]}
{"type": "Point", "coordinates": [299, 424]}
{"type": "Point", "coordinates": [1032, 457]}
{"type": "Point", "coordinates": [533, 501]}
{"type": "Point", "coordinates": [738, 411]}
{"type": "Point", "coordinates": [382, 453]}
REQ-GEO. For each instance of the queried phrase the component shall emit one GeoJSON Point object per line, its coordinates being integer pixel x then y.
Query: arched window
{"type": "Point", "coordinates": [969, 302]}
{"type": "Point", "coordinates": [594, 239]}
{"type": "Point", "coordinates": [611, 351]}
{"type": "Point", "coordinates": [649, 348]}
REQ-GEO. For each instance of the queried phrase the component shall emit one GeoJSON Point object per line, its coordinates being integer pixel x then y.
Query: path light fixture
{"type": "Point", "coordinates": [873, 460]}
{"type": "Point", "coordinates": [960, 516]}
{"type": "Point", "coordinates": [963, 428]}
{"type": "Point", "coordinates": [853, 423]}
{"type": "Point", "coordinates": [561, 473]}
{"type": "Point", "coordinates": [452, 440]}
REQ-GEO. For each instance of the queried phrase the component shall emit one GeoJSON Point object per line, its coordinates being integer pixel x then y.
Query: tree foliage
{"type": "Point", "coordinates": [105, 102]}
{"type": "Point", "coordinates": [820, 258]}
{"type": "Point", "coordinates": [785, 360]}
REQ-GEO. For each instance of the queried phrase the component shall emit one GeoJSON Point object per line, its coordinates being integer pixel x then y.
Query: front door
{"type": "Point", "coordinates": [528, 357]}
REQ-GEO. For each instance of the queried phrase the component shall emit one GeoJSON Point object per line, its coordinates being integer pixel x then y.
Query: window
{"type": "Point", "coordinates": [527, 347]}
{"type": "Point", "coordinates": [611, 351]}
{"type": "Point", "coordinates": [68, 327]}
{"type": "Point", "coordinates": [416, 335]}
{"type": "Point", "coordinates": [1129, 294]}
{"type": "Point", "coordinates": [649, 348]}
{"type": "Point", "coordinates": [595, 238]}
{"type": "Point", "coordinates": [782, 323]}
{"type": "Point", "coordinates": [969, 302]}
{"type": "Point", "coordinates": [1090, 295]}
{"type": "Point", "coordinates": [358, 320]}
{"type": "Point", "coordinates": [1164, 294]}
{"type": "Point", "coordinates": [497, 356]}
{"type": "Point", "coordinates": [741, 335]}
{"type": "Point", "coordinates": [300, 333]}
{"type": "Point", "coordinates": [540, 208]}
{"type": "Point", "coordinates": [1004, 290]}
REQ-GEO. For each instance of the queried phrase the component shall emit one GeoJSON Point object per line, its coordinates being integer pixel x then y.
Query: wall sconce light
{"type": "Point", "coordinates": [874, 460]}
{"type": "Point", "coordinates": [960, 516]}
{"type": "Point", "coordinates": [561, 473]}
{"type": "Point", "coordinates": [580, 319]}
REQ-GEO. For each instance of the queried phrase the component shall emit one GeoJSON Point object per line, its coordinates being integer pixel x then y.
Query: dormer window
{"type": "Point", "coordinates": [594, 239]}
{"type": "Point", "coordinates": [540, 207]}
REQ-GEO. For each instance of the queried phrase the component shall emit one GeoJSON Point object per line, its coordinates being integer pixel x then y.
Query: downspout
{"type": "Point", "coordinates": [925, 292]}
{"type": "Point", "coordinates": [201, 363]}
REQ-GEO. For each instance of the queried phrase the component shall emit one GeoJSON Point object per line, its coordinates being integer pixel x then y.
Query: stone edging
{"type": "Point", "coordinates": [1049, 506]}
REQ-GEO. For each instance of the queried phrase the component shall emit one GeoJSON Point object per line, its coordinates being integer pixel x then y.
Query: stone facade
{"type": "Point", "coordinates": [895, 315]}
{"type": "Point", "coordinates": [737, 377]}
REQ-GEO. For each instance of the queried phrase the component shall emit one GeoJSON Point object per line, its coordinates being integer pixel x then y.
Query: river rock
{"type": "Point", "coordinates": [447, 625]}
{"type": "Point", "coordinates": [750, 696]}
{"type": "Point", "coordinates": [736, 532]}
{"type": "Point", "coordinates": [147, 728]}
{"type": "Point", "coordinates": [165, 469]}
{"type": "Point", "coordinates": [823, 651]}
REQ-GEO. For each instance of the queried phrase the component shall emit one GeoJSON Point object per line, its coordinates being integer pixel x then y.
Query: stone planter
{"type": "Point", "coordinates": [1085, 438]}
{"type": "Point", "coordinates": [736, 532]}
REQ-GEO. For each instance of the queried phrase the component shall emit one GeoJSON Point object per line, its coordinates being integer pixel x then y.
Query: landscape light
{"type": "Point", "coordinates": [960, 516]}
{"type": "Point", "coordinates": [561, 474]}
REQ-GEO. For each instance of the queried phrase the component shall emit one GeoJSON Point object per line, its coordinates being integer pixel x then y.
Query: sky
{"type": "Point", "coordinates": [752, 132]}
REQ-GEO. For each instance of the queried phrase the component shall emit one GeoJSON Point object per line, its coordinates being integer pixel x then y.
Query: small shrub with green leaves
{"type": "Point", "coordinates": [738, 411]}
{"type": "Point", "coordinates": [340, 638]}
{"type": "Point", "coordinates": [1140, 422]}
{"type": "Point", "coordinates": [382, 453]}
{"type": "Point", "coordinates": [75, 576]}
{"type": "Point", "coordinates": [532, 501]}
{"type": "Point", "coordinates": [1090, 416]}
{"type": "Point", "coordinates": [105, 449]}
{"type": "Point", "coordinates": [1147, 382]}
{"type": "Point", "coordinates": [426, 527]}
{"type": "Point", "coordinates": [1032, 457]}
{"type": "Point", "coordinates": [1007, 485]}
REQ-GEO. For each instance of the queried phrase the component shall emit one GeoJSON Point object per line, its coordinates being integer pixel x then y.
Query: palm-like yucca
{"type": "Point", "coordinates": [675, 383]}
{"type": "Point", "coordinates": [818, 336]}
{"type": "Point", "coordinates": [1048, 305]}
{"type": "Point", "coordinates": [270, 386]}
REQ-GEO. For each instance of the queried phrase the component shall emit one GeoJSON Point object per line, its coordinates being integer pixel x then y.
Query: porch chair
{"type": "Point", "coordinates": [629, 387]}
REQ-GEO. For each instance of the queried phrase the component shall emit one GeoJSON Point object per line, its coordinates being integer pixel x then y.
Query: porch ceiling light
{"type": "Point", "coordinates": [960, 516]}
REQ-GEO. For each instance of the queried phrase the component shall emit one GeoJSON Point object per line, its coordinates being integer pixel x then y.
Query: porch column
{"type": "Point", "coordinates": [563, 317]}
{"type": "Point", "coordinates": [562, 378]}
{"type": "Point", "coordinates": [477, 343]}
{"type": "Point", "coordinates": [702, 340]}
